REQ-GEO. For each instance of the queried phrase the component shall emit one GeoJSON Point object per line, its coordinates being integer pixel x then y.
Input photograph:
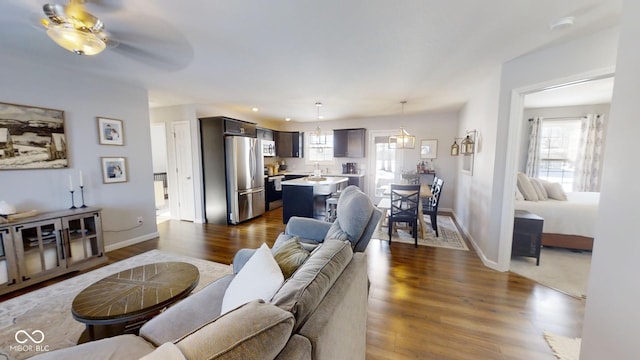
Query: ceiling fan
{"type": "Point", "coordinates": [148, 40]}
{"type": "Point", "coordinates": [72, 27]}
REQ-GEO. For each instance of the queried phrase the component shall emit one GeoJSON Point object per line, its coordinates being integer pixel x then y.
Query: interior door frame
{"type": "Point", "coordinates": [516, 115]}
{"type": "Point", "coordinates": [371, 148]}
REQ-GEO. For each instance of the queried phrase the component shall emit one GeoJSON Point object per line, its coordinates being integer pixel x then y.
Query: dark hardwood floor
{"type": "Point", "coordinates": [428, 303]}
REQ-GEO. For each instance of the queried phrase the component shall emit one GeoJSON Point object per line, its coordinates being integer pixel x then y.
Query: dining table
{"type": "Point", "coordinates": [385, 205]}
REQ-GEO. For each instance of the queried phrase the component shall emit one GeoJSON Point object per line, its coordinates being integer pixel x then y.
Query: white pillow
{"type": "Point", "coordinates": [166, 351]}
{"type": "Point", "coordinates": [540, 190]}
{"type": "Point", "coordinates": [556, 191]}
{"type": "Point", "coordinates": [519, 195]}
{"type": "Point", "coordinates": [259, 278]}
{"type": "Point", "coordinates": [527, 190]}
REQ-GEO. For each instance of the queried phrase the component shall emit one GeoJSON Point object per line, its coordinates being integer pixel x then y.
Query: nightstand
{"type": "Point", "coordinates": [527, 235]}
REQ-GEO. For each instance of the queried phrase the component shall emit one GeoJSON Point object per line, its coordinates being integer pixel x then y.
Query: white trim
{"type": "Point", "coordinates": [513, 144]}
{"type": "Point", "coordinates": [133, 241]}
{"type": "Point", "coordinates": [488, 263]}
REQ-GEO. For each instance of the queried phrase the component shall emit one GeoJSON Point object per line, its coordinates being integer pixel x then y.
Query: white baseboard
{"type": "Point", "coordinates": [133, 241]}
{"type": "Point", "coordinates": [488, 263]}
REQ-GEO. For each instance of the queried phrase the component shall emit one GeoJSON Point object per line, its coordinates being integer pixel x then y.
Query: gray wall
{"type": "Point", "coordinates": [440, 126]}
{"type": "Point", "coordinates": [489, 217]}
{"type": "Point", "coordinates": [83, 98]}
{"type": "Point", "coordinates": [612, 319]}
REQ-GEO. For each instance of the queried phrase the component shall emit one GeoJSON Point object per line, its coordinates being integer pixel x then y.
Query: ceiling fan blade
{"type": "Point", "coordinates": [151, 41]}
{"type": "Point", "coordinates": [164, 60]}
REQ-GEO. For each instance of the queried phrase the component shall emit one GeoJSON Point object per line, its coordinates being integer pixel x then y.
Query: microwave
{"type": "Point", "coordinates": [268, 148]}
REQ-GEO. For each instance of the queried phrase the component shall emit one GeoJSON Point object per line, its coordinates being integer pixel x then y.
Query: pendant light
{"type": "Point", "coordinates": [318, 137]}
{"type": "Point", "coordinates": [403, 140]}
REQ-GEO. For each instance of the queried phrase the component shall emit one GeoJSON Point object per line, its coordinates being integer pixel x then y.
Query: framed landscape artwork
{"type": "Point", "coordinates": [32, 138]}
{"type": "Point", "coordinates": [114, 169]}
{"type": "Point", "coordinates": [110, 131]}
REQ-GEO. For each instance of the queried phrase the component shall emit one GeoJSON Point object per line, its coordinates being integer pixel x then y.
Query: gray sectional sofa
{"type": "Point", "coordinates": [319, 312]}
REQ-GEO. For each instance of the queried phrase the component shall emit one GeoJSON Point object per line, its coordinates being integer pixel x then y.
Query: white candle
{"type": "Point", "coordinates": [81, 183]}
{"type": "Point", "coordinates": [70, 183]}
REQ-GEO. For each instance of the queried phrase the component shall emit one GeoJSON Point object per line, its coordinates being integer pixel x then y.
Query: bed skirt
{"type": "Point", "coordinates": [567, 241]}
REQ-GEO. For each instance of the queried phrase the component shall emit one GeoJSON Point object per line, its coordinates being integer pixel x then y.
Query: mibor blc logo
{"type": "Point", "coordinates": [29, 341]}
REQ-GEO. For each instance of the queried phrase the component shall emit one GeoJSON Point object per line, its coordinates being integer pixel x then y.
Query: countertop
{"type": "Point", "coordinates": [307, 173]}
{"type": "Point", "coordinates": [308, 181]}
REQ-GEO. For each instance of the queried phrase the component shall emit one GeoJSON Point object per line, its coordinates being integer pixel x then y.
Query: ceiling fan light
{"type": "Point", "coordinates": [77, 41]}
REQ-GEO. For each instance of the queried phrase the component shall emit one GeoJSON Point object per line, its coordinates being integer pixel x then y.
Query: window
{"type": "Point", "coordinates": [320, 151]}
{"type": "Point", "coordinates": [559, 140]}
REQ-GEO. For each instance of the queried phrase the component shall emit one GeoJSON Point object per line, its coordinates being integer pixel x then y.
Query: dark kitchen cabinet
{"type": "Point", "coordinates": [289, 144]}
{"type": "Point", "coordinates": [264, 134]}
{"type": "Point", "coordinates": [239, 127]}
{"type": "Point", "coordinates": [349, 143]}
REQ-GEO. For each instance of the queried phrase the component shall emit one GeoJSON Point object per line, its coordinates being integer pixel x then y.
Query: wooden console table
{"type": "Point", "coordinates": [47, 245]}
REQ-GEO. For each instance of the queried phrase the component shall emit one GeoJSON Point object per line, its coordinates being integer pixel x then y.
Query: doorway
{"type": "Point", "coordinates": [160, 166]}
{"type": "Point", "coordinates": [529, 103]}
{"type": "Point", "coordinates": [386, 164]}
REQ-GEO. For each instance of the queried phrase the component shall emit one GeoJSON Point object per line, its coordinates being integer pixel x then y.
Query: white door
{"type": "Point", "coordinates": [184, 170]}
{"type": "Point", "coordinates": [386, 164]}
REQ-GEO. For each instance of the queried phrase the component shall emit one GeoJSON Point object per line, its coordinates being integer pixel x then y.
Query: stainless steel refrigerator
{"type": "Point", "coordinates": [245, 178]}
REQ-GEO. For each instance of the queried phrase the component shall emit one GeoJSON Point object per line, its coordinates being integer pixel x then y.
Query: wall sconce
{"type": "Point", "coordinates": [455, 148]}
{"type": "Point", "coordinates": [467, 145]}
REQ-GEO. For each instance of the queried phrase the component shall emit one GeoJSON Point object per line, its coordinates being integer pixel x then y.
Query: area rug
{"type": "Point", "coordinates": [564, 348]}
{"type": "Point", "coordinates": [561, 269]}
{"type": "Point", "coordinates": [449, 237]}
{"type": "Point", "coordinates": [49, 309]}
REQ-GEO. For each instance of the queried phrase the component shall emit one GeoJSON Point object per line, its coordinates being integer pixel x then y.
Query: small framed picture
{"type": "Point", "coordinates": [114, 170]}
{"type": "Point", "coordinates": [110, 131]}
{"type": "Point", "coordinates": [429, 149]}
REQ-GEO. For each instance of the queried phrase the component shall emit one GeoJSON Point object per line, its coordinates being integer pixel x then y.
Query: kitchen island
{"type": "Point", "coordinates": [305, 196]}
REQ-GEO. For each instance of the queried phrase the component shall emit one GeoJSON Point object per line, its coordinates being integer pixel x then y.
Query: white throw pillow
{"type": "Point", "coordinates": [519, 195]}
{"type": "Point", "coordinates": [259, 278]}
{"type": "Point", "coordinates": [166, 351]}
{"type": "Point", "coordinates": [527, 190]}
{"type": "Point", "coordinates": [540, 190]}
{"type": "Point", "coordinates": [555, 191]}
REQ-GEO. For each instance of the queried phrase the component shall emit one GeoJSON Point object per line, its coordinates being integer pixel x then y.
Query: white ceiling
{"type": "Point", "coordinates": [360, 58]}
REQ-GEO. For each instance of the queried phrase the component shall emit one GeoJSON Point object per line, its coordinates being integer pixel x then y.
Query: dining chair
{"type": "Point", "coordinates": [405, 200]}
{"type": "Point", "coordinates": [430, 205]}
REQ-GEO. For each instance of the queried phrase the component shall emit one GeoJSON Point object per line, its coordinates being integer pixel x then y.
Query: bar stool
{"type": "Point", "coordinates": [331, 209]}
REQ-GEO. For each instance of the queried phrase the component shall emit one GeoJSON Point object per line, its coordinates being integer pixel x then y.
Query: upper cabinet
{"type": "Point", "coordinates": [264, 134]}
{"type": "Point", "coordinates": [289, 144]}
{"type": "Point", "coordinates": [239, 127]}
{"type": "Point", "coordinates": [349, 143]}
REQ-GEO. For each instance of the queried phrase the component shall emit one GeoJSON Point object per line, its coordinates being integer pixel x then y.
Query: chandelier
{"type": "Point", "coordinates": [403, 140]}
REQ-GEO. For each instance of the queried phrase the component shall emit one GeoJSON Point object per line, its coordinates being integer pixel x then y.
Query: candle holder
{"type": "Point", "coordinates": [82, 194]}
{"type": "Point", "coordinates": [73, 204]}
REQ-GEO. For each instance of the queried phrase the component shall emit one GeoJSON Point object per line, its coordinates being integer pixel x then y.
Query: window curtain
{"type": "Point", "coordinates": [533, 157]}
{"type": "Point", "coordinates": [590, 152]}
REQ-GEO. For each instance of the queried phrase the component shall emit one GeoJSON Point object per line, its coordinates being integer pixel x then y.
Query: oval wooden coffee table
{"type": "Point", "coordinates": [123, 302]}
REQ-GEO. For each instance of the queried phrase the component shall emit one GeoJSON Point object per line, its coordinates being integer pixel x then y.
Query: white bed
{"type": "Point", "coordinates": [573, 220]}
